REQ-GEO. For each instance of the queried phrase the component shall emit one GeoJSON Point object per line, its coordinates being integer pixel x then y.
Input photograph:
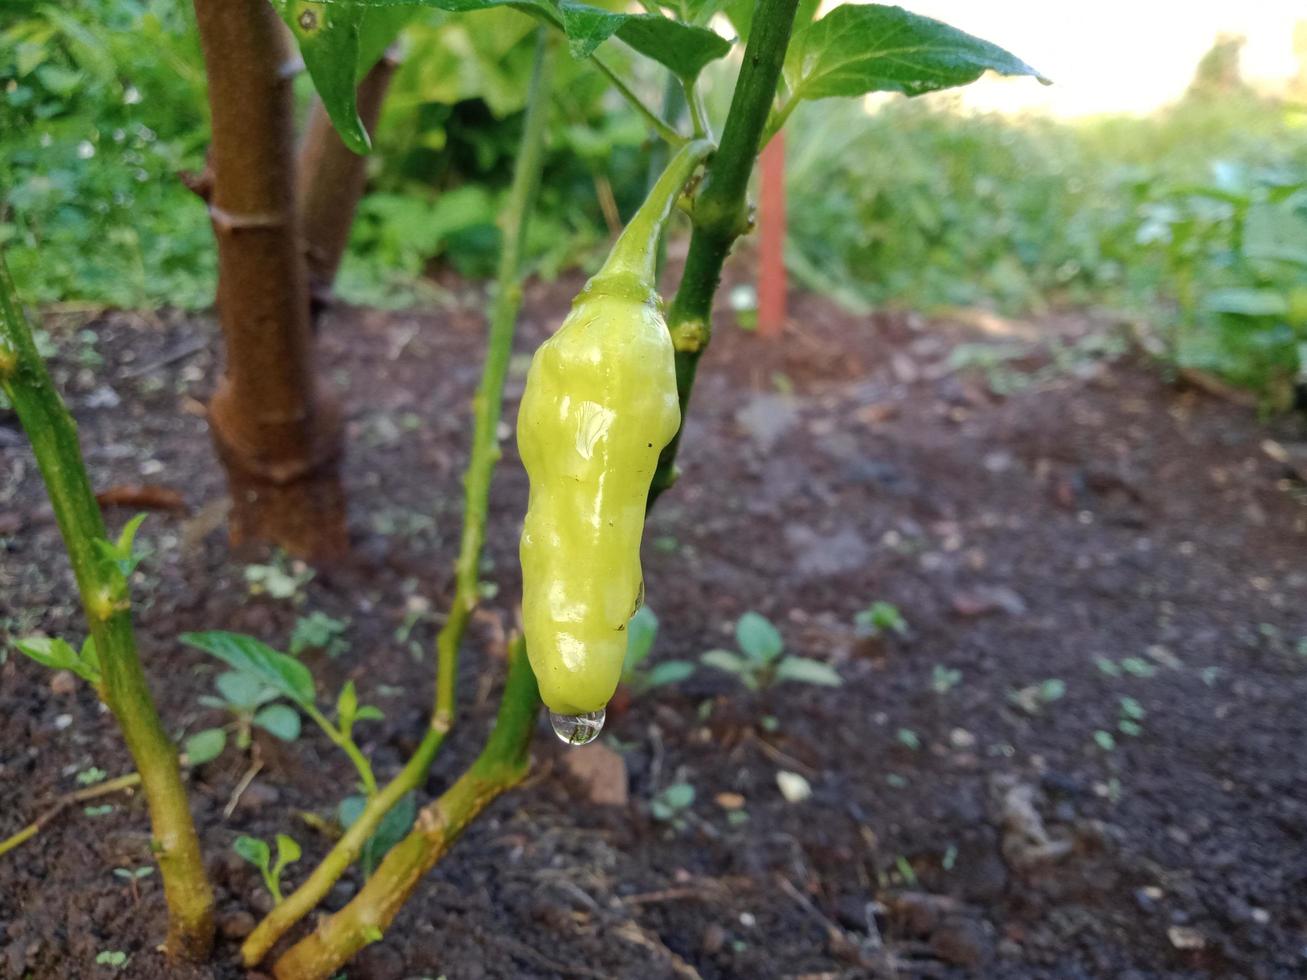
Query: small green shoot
{"type": "Point", "coordinates": [58, 654]}
{"type": "Point", "coordinates": [91, 775]}
{"type": "Point", "coordinates": [114, 958]}
{"type": "Point", "coordinates": [760, 662]}
{"type": "Point", "coordinates": [1034, 698]}
{"type": "Point", "coordinates": [671, 805]}
{"type": "Point", "coordinates": [261, 665]}
{"type": "Point", "coordinates": [257, 853]}
{"type": "Point", "coordinates": [123, 553]}
{"type": "Point", "coordinates": [641, 632]}
{"type": "Point", "coordinates": [253, 704]}
{"type": "Point", "coordinates": [880, 619]}
{"type": "Point", "coordinates": [944, 679]}
{"type": "Point", "coordinates": [318, 631]}
{"type": "Point", "coordinates": [279, 579]}
{"type": "Point", "coordinates": [1132, 716]}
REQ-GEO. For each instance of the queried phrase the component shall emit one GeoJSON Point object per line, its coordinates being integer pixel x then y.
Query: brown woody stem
{"type": "Point", "coordinates": [278, 438]}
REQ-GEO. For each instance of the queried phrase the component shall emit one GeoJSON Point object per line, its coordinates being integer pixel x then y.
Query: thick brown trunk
{"type": "Point", "coordinates": [277, 437]}
{"type": "Point", "coordinates": [331, 181]}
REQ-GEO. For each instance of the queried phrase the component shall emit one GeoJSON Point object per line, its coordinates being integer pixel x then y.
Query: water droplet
{"type": "Point", "coordinates": [577, 729]}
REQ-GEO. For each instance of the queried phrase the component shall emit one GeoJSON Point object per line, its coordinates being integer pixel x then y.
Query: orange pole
{"type": "Point", "coordinates": [771, 239]}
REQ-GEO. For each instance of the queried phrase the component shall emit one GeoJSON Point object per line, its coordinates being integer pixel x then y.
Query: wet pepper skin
{"type": "Point", "coordinates": [600, 404]}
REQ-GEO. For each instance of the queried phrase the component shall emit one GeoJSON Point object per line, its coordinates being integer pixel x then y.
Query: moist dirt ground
{"type": "Point", "coordinates": [1083, 758]}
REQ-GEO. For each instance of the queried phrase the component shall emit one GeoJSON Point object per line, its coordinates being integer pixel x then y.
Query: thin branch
{"type": "Point", "coordinates": [657, 122]}
{"type": "Point", "coordinates": [502, 763]}
{"type": "Point", "coordinates": [64, 802]}
{"type": "Point", "coordinates": [476, 482]}
{"type": "Point", "coordinates": [720, 213]}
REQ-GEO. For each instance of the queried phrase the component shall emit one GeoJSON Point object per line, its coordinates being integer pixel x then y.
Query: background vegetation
{"type": "Point", "coordinates": [1193, 222]}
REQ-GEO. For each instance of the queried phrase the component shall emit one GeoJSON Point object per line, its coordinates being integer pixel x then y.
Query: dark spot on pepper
{"type": "Point", "coordinates": [308, 20]}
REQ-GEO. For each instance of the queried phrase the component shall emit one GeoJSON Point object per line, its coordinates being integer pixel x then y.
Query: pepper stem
{"type": "Point", "coordinates": [636, 250]}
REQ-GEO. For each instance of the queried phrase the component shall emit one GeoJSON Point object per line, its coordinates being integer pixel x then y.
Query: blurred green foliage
{"type": "Point", "coordinates": [1193, 221]}
{"type": "Point", "coordinates": [102, 103]}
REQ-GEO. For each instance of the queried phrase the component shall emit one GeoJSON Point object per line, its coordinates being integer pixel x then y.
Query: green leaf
{"type": "Point", "coordinates": [393, 827]}
{"type": "Point", "coordinates": [244, 653]}
{"type": "Point", "coordinates": [280, 720]}
{"type": "Point", "coordinates": [378, 29]}
{"type": "Point", "coordinates": [856, 49]}
{"type": "Point", "coordinates": [806, 671]}
{"type": "Point", "coordinates": [758, 638]}
{"type": "Point", "coordinates": [127, 538]}
{"type": "Point", "coordinates": [640, 634]}
{"type": "Point", "coordinates": [56, 654]}
{"type": "Point", "coordinates": [669, 672]}
{"type": "Point", "coordinates": [288, 852]}
{"type": "Point", "coordinates": [253, 850]}
{"type": "Point", "coordinates": [682, 48]}
{"type": "Point", "coordinates": [347, 705]}
{"type": "Point", "coordinates": [328, 35]}
{"type": "Point", "coordinates": [1246, 302]}
{"type": "Point", "coordinates": [243, 691]}
{"type": "Point", "coordinates": [204, 746]}
{"type": "Point", "coordinates": [369, 712]}
{"type": "Point", "coordinates": [732, 663]}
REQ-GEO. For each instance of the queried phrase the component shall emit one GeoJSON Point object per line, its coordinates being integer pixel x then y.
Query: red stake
{"type": "Point", "coordinates": [771, 239]}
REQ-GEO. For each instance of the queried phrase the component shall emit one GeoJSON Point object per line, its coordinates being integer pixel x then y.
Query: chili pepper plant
{"type": "Point", "coordinates": [599, 429]}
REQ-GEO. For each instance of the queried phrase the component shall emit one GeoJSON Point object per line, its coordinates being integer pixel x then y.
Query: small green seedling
{"type": "Point", "coordinates": [123, 553]}
{"type": "Point", "coordinates": [641, 632]}
{"type": "Point", "coordinates": [1034, 698]}
{"type": "Point", "coordinates": [1132, 716]}
{"type": "Point", "coordinates": [91, 775]}
{"type": "Point", "coordinates": [671, 805]}
{"type": "Point", "coordinates": [944, 679]}
{"type": "Point", "coordinates": [286, 677]}
{"type": "Point", "coordinates": [253, 704]}
{"type": "Point", "coordinates": [257, 852]}
{"type": "Point", "coordinates": [114, 958]}
{"type": "Point", "coordinates": [279, 579]}
{"type": "Point", "coordinates": [880, 619]}
{"type": "Point", "coordinates": [133, 877]}
{"type": "Point", "coordinates": [318, 631]}
{"type": "Point", "coordinates": [760, 663]}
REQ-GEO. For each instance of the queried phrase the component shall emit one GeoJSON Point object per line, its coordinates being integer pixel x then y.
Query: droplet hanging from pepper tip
{"type": "Point", "coordinates": [577, 729]}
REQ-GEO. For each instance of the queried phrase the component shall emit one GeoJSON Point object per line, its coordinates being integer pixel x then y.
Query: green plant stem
{"type": "Point", "coordinates": [348, 746]}
{"type": "Point", "coordinates": [698, 112]}
{"type": "Point", "coordinates": [103, 589]}
{"type": "Point", "coordinates": [485, 453]}
{"type": "Point", "coordinates": [502, 763]}
{"type": "Point", "coordinates": [655, 121]}
{"type": "Point", "coordinates": [504, 759]}
{"type": "Point", "coordinates": [720, 212]}
{"type": "Point", "coordinates": [488, 402]}
{"type": "Point", "coordinates": [343, 853]}
{"type": "Point", "coordinates": [635, 252]}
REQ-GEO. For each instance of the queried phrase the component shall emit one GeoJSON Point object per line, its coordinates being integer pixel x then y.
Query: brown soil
{"type": "Point", "coordinates": [1096, 529]}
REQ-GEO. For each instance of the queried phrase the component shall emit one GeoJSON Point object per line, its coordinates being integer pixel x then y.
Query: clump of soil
{"type": "Point", "coordinates": [1082, 759]}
